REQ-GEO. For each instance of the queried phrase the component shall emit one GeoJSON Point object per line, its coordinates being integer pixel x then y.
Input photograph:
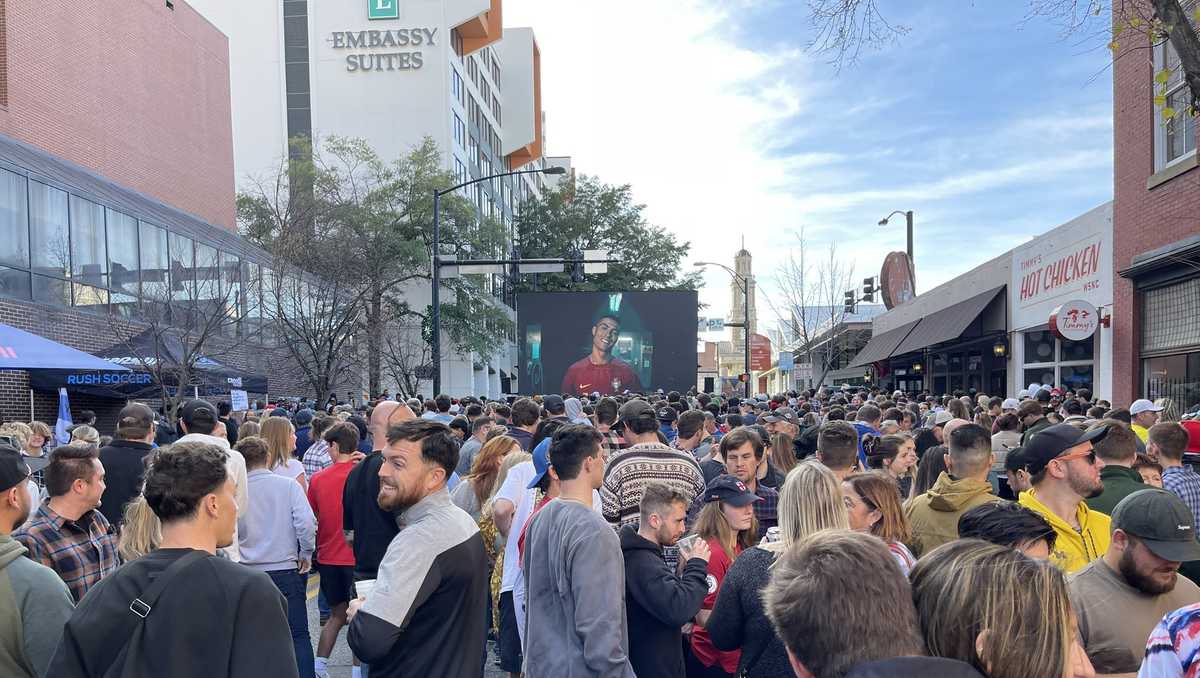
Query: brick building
{"type": "Point", "coordinates": [1156, 224]}
{"type": "Point", "coordinates": [116, 183]}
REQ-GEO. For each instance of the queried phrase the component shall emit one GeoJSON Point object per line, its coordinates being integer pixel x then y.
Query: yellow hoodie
{"type": "Point", "coordinates": [1073, 549]}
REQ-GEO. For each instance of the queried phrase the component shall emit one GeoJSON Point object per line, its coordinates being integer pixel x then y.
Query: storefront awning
{"type": "Point", "coordinates": [947, 324]}
{"type": "Point", "coordinates": [882, 346]}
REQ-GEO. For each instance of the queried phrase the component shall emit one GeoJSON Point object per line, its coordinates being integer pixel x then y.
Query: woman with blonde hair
{"type": "Point", "coordinates": [1002, 612]}
{"type": "Point", "coordinates": [281, 447]}
{"type": "Point", "coordinates": [727, 525]}
{"type": "Point", "coordinates": [473, 491]}
{"type": "Point", "coordinates": [1170, 411]}
{"type": "Point", "coordinates": [810, 501]}
{"type": "Point", "coordinates": [873, 506]}
{"type": "Point", "coordinates": [493, 542]}
{"type": "Point", "coordinates": [783, 453]}
{"type": "Point", "coordinates": [86, 435]}
{"type": "Point", "coordinates": [141, 531]}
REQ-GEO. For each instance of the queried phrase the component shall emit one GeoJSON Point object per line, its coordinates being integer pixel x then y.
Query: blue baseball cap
{"type": "Point", "coordinates": [541, 462]}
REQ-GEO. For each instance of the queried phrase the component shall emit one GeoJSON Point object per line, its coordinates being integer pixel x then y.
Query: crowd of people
{"type": "Point", "coordinates": [823, 533]}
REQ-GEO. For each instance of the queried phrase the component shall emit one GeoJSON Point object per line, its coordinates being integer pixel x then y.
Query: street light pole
{"type": "Point", "coordinates": [435, 300]}
{"type": "Point", "coordinates": [908, 219]}
{"type": "Point", "coordinates": [745, 285]}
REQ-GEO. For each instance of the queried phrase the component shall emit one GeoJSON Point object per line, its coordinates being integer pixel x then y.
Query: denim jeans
{"type": "Point", "coordinates": [292, 585]}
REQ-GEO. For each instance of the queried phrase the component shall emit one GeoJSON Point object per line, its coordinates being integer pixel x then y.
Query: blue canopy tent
{"type": "Point", "coordinates": [208, 377]}
{"type": "Point", "coordinates": [21, 350]}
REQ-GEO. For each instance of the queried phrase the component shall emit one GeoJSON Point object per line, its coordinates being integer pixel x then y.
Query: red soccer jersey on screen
{"type": "Point", "coordinates": [325, 490]}
{"type": "Point", "coordinates": [584, 377]}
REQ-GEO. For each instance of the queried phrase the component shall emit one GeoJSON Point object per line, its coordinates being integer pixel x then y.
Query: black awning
{"type": "Point", "coordinates": [947, 324]}
{"type": "Point", "coordinates": [881, 346]}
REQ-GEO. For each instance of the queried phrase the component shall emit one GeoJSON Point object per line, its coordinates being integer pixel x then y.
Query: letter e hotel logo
{"type": "Point", "coordinates": [383, 9]}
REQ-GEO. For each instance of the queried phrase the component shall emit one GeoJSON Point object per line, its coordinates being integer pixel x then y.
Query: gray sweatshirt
{"type": "Point", "coordinates": [280, 525]}
{"type": "Point", "coordinates": [574, 573]}
{"type": "Point", "coordinates": [34, 607]}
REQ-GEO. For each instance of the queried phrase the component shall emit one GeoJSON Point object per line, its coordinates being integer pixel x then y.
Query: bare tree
{"type": "Point", "coordinates": [407, 357]}
{"type": "Point", "coordinates": [845, 27]}
{"type": "Point", "coordinates": [813, 290]}
{"type": "Point", "coordinates": [188, 313]}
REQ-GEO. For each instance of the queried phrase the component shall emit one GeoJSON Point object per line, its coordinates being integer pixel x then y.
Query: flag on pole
{"type": "Point", "coordinates": [64, 418]}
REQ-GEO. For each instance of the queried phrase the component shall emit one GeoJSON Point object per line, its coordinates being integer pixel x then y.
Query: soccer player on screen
{"type": "Point", "coordinates": [600, 370]}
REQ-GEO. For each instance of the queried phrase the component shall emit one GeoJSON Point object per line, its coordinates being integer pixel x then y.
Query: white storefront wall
{"type": "Point", "coordinates": [1071, 262]}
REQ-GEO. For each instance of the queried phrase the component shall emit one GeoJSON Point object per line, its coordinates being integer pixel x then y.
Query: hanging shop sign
{"type": "Point", "coordinates": [1075, 320]}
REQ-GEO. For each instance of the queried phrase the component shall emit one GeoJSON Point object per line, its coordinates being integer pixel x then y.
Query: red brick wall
{"type": "Point", "coordinates": [130, 89]}
{"type": "Point", "coordinates": [1143, 219]}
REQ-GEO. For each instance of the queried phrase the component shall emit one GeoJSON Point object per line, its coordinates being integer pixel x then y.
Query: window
{"type": "Point", "coordinates": [1173, 376]}
{"type": "Point", "coordinates": [183, 266]}
{"type": "Point", "coordinates": [208, 279]}
{"type": "Point", "coordinates": [251, 301]}
{"type": "Point", "coordinates": [155, 262]}
{"type": "Point", "coordinates": [1059, 362]}
{"type": "Point", "coordinates": [14, 221]}
{"type": "Point", "coordinates": [1174, 137]}
{"type": "Point", "coordinates": [14, 284]}
{"type": "Point", "coordinates": [460, 171]}
{"type": "Point", "coordinates": [48, 230]}
{"type": "Point", "coordinates": [89, 258]}
{"type": "Point", "coordinates": [456, 87]}
{"type": "Point", "coordinates": [460, 130]}
{"type": "Point", "coordinates": [89, 298]}
{"type": "Point", "coordinates": [122, 252]}
{"type": "Point", "coordinates": [53, 291]}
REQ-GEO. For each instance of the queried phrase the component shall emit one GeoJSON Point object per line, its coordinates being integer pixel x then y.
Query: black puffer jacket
{"type": "Point", "coordinates": [657, 604]}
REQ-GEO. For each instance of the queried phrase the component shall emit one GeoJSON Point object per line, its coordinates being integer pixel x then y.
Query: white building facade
{"type": "Point", "coordinates": [394, 72]}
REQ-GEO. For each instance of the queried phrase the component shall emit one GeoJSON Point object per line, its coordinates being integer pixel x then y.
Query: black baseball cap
{"type": "Point", "coordinates": [198, 415]}
{"type": "Point", "coordinates": [1015, 461]}
{"type": "Point", "coordinates": [1162, 521]}
{"type": "Point", "coordinates": [1052, 441]}
{"type": "Point", "coordinates": [730, 490]}
{"type": "Point", "coordinates": [634, 409]}
{"type": "Point", "coordinates": [13, 469]}
{"type": "Point", "coordinates": [667, 415]}
{"type": "Point", "coordinates": [554, 404]}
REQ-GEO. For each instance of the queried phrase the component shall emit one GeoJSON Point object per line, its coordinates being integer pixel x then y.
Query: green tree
{"type": "Point", "coordinates": [590, 215]}
{"type": "Point", "coordinates": [340, 210]}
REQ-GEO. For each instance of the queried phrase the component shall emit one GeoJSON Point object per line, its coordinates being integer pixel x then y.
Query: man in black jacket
{"type": "Point", "coordinates": [209, 617]}
{"type": "Point", "coordinates": [658, 601]}
{"type": "Point", "coordinates": [123, 460]}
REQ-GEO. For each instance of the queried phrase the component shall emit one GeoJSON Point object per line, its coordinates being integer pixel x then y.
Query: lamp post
{"type": "Point", "coordinates": [908, 218]}
{"type": "Point", "coordinates": [743, 283]}
{"type": "Point", "coordinates": [436, 339]}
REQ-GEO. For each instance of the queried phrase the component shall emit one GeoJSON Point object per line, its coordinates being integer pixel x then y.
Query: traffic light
{"type": "Point", "coordinates": [869, 289]}
{"type": "Point", "coordinates": [850, 302]}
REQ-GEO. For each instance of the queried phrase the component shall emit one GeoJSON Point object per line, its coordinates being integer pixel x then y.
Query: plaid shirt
{"type": "Point", "coordinates": [1185, 482]}
{"type": "Point", "coordinates": [316, 458]}
{"type": "Point", "coordinates": [82, 551]}
{"type": "Point", "coordinates": [611, 441]}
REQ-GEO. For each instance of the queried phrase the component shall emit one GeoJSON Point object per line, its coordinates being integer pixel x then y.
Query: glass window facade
{"type": "Point", "coordinates": [49, 232]}
{"type": "Point", "coordinates": [1058, 362]}
{"type": "Point", "coordinates": [14, 221]}
{"type": "Point", "coordinates": [89, 256]}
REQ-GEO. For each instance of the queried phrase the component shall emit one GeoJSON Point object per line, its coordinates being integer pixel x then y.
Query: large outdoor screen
{"type": "Point", "coordinates": [578, 343]}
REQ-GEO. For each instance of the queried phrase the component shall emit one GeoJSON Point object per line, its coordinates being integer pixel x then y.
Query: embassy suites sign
{"type": "Point", "coordinates": [391, 50]}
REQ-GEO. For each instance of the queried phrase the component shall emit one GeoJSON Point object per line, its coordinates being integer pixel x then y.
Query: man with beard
{"type": "Point", "coordinates": [426, 613]}
{"type": "Point", "coordinates": [601, 371]}
{"type": "Point", "coordinates": [1065, 470]}
{"type": "Point", "coordinates": [659, 601]}
{"type": "Point", "coordinates": [1121, 596]}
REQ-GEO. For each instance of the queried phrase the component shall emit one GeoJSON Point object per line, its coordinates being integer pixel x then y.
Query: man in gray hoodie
{"type": "Point", "coordinates": [34, 601]}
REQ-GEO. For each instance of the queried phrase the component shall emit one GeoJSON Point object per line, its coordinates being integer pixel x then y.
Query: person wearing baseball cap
{"type": "Point", "coordinates": [1033, 419]}
{"type": "Point", "coordinates": [28, 632]}
{"type": "Point", "coordinates": [1121, 595]}
{"type": "Point", "coordinates": [667, 418]}
{"type": "Point", "coordinates": [198, 420]}
{"type": "Point", "coordinates": [1145, 415]}
{"type": "Point", "coordinates": [1064, 471]}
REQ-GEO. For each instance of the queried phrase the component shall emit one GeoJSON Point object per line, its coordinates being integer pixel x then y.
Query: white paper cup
{"type": "Point", "coordinates": [363, 587]}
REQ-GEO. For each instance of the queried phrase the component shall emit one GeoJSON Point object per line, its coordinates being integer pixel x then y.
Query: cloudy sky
{"type": "Point", "coordinates": [991, 127]}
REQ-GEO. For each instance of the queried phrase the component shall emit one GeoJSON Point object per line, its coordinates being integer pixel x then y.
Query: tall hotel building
{"type": "Point", "coordinates": [393, 72]}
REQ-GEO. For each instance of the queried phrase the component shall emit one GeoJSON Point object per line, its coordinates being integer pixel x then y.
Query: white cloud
{"type": "Point", "coordinates": [723, 141]}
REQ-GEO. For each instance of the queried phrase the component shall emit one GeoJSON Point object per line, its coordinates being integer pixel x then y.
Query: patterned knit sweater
{"type": "Point", "coordinates": [631, 469]}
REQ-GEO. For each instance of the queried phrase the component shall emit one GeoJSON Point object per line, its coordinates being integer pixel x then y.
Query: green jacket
{"type": "Point", "coordinates": [1119, 482]}
{"type": "Point", "coordinates": [934, 515]}
{"type": "Point", "coordinates": [34, 608]}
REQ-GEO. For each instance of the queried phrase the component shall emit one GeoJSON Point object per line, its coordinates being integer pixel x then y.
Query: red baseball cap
{"type": "Point", "coordinates": [1193, 428]}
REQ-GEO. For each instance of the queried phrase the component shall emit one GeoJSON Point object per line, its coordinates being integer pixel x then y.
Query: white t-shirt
{"type": "Point", "coordinates": [515, 490]}
{"type": "Point", "coordinates": [292, 469]}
